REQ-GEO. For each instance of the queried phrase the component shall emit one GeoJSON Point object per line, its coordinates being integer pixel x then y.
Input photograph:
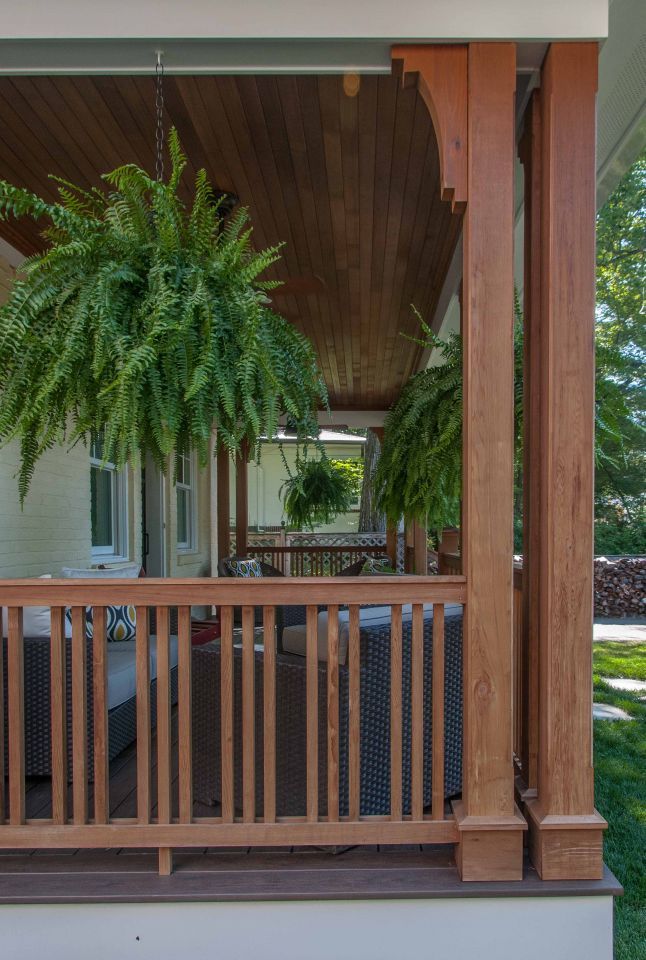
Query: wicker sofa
{"type": "Point", "coordinates": [122, 717]}
{"type": "Point", "coordinates": [290, 722]}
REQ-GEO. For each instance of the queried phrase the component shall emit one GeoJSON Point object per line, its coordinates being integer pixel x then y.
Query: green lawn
{"type": "Point", "coordinates": [620, 777]}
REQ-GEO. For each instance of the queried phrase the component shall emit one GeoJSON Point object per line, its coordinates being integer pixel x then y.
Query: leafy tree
{"type": "Point", "coordinates": [353, 468]}
{"type": "Point", "coordinates": [146, 320]}
{"type": "Point", "coordinates": [620, 501]}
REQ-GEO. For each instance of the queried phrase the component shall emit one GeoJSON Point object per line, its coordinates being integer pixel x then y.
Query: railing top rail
{"type": "Point", "coordinates": [216, 591]}
{"type": "Point", "coordinates": [315, 548]}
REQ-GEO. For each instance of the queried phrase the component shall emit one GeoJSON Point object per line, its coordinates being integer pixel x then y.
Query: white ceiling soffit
{"type": "Point", "coordinates": [621, 133]}
{"type": "Point", "coordinates": [384, 20]}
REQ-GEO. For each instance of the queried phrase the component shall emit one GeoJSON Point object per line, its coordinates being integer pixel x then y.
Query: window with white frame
{"type": "Point", "coordinates": [186, 502]}
{"type": "Point", "coordinates": [108, 506]}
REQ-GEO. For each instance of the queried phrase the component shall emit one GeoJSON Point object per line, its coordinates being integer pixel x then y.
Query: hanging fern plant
{"type": "Point", "coordinates": [316, 493]}
{"type": "Point", "coordinates": [146, 320]}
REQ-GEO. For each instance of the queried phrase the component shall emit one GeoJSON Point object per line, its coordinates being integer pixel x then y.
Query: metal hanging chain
{"type": "Point", "coordinates": [159, 103]}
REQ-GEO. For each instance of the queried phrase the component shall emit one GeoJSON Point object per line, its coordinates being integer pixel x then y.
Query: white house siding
{"type": "Point", "coordinates": [267, 478]}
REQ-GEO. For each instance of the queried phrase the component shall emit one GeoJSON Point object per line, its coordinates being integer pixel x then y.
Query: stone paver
{"type": "Point", "coordinates": [623, 683]}
{"type": "Point", "coordinates": [603, 711]}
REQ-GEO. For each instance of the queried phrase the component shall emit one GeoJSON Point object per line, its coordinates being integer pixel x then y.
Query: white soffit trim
{"type": "Point", "coordinates": [298, 19]}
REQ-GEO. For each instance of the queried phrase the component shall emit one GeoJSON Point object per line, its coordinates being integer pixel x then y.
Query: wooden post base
{"type": "Point", "coordinates": [489, 848]}
{"type": "Point", "coordinates": [565, 848]}
{"type": "Point", "coordinates": [165, 861]}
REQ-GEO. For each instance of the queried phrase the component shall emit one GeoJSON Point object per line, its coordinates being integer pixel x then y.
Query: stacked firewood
{"type": "Point", "coordinates": [620, 587]}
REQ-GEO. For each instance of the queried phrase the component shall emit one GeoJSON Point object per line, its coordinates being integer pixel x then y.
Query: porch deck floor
{"type": "Point", "coordinates": [254, 873]}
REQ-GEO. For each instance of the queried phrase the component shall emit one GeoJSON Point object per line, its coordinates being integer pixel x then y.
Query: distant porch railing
{"type": "Point", "coordinates": [246, 682]}
{"type": "Point", "coordinates": [313, 560]}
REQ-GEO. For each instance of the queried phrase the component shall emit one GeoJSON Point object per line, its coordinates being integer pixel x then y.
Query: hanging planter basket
{"type": "Point", "coordinates": [145, 318]}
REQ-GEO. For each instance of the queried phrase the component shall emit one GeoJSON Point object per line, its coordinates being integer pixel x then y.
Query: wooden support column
{"type": "Point", "coordinates": [242, 499]}
{"type": "Point", "coordinates": [223, 503]}
{"type": "Point", "coordinates": [420, 549]}
{"type": "Point", "coordinates": [490, 826]}
{"type": "Point", "coordinates": [565, 830]}
{"type": "Point", "coordinates": [530, 155]}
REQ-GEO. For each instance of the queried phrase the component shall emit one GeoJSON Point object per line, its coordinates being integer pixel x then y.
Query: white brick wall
{"type": "Point", "coordinates": [53, 529]}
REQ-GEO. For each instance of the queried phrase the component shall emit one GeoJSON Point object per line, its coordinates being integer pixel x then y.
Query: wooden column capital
{"type": "Point", "coordinates": [440, 72]}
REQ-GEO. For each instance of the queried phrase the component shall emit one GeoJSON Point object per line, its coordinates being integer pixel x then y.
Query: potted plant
{"type": "Point", "coordinates": [145, 318]}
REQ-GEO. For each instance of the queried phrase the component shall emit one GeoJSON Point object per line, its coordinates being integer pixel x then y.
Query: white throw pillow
{"type": "Point", "coordinates": [129, 571]}
{"type": "Point", "coordinates": [36, 621]}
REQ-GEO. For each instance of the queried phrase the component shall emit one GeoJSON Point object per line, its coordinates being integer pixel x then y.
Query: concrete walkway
{"type": "Point", "coordinates": [621, 630]}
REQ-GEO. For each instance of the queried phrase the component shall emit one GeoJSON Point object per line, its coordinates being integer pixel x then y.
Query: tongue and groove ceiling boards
{"type": "Point", "coordinates": [349, 184]}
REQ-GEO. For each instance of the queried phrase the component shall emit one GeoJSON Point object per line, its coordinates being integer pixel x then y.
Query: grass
{"type": "Point", "coordinates": [620, 782]}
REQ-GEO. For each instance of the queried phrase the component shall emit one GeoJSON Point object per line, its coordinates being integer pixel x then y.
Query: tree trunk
{"type": "Point", "coordinates": [370, 519]}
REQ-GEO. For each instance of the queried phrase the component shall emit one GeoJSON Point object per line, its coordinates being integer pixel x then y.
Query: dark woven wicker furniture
{"type": "Point", "coordinates": [290, 723]}
{"type": "Point", "coordinates": [122, 720]}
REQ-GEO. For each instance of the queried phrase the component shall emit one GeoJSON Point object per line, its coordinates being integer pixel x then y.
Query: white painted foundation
{"type": "Point", "coordinates": [556, 928]}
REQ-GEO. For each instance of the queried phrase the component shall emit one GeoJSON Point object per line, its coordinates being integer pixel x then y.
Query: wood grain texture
{"type": "Point", "coordinates": [396, 692]}
{"type": "Point", "coordinates": [184, 698]}
{"type": "Point", "coordinates": [248, 717]}
{"type": "Point", "coordinates": [437, 805]}
{"type": "Point", "coordinates": [142, 660]}
{"type": "Point", "coordinates": [417, 713]}
{"type": "Point", "coordinates": [352, 187]}
{"type": "Point", "coordinates": [163, 729]}
{"type": "Point", "coordinates": [58, 666]}
{"type": "Point", "coordinates": [227, 591]}
{"type": "Point", "coordinates": [79, 716]}
{"type": "Point", "coordinates": [226, 711]}
{"type": "Point", "coordinates": [100, 710]}
{"type": "Point", "coordinates": [333, 713]}
{"type": "Point", "coordinates": [311, 712]}
{"type": "Point", "coordinates": [16, 715]}
{"type": "Point", "coordinates": [488, 787]}
{"type": "Point", "coordinates": [269, 714]}
{"type": "Point", "coordinates": [354, 700]}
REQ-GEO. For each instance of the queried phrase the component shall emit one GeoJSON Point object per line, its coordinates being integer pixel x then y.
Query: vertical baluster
{"type": "Point", "coordinates": [226, 710]}
{"type": "Point", "coordinates": [100, 706]}
{"type": "Point", "coordinates": [333, 713]}
{"type": "Point", "coordinates": [164, 778]}
{"type": "Point", "coordinates": [269, 715]}
{"type": "Point", "coordinates": [417, 712]}
{"type": "Point", "coordinates": [16, 708]}
{"type": "Point", "coordinates": [79, 715]}
{"type": "Point", "coordinates": [142, 665]}
{"type": "Point", "coordinates": [248, 717]}
{"type": "Point", "coordinates": [437, 810]}
{"type": "Point", "coordinates": [184, 694]}
{"type": "Point", "coordinates": [58, 687]}
{"type": "Point", "coordinates": [312, 693]}
{"type": "Point", "coordinates": [396, 713]}
{"type": "Point", "coordinates": [3, 802]}
{"type": "Point", "coordinates": [354, 766]}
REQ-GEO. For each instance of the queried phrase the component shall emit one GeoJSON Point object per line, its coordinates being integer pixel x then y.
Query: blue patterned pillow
{"type": "Point", "coordinates": [243, 568]}
{"type": "Point", "coordinates": [121, 623]}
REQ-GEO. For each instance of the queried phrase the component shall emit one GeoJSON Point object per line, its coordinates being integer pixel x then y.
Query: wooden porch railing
{"type": "Point", "coordinates": [313, 561]}
{"type": "Point", "coordinates": [525, 720]}
{"type": "Point", "coordinates": [84, 820]}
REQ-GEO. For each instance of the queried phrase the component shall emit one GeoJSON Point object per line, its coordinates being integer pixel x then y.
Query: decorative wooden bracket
{"type": "Point", "coordinates": [440, 72]}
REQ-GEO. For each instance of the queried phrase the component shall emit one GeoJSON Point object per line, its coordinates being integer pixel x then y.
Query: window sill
{"type": "Point", "coordinates": [107, 558]}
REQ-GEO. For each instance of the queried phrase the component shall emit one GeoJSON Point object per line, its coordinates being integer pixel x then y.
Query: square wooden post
{"type": "Point", "coordinates": [565, 830]}
{"type": "Point", "coordinates": [490, 826]}
{"type": "Point", "coordinates": [242, 499]}
{"type": "Point", "coordinates": [223, 503]}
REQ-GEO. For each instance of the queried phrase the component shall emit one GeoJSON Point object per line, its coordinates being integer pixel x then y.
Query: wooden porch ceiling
{"type": "Point", "coordinates": [351, 185]}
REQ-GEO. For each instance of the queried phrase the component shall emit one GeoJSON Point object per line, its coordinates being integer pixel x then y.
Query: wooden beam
{"type": "Point", "coordinates": [566, 832]}
{"type": "Point", "coordinates": [530, 155]}
{"type": "Point", "coordinates": [223, 502]}
{"type": "Point", "coordinates": [487, 818]}
{"type": "Point", "coordinates": [242, 500]}
{"type": "Point", "coordinates": [440, 72]}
